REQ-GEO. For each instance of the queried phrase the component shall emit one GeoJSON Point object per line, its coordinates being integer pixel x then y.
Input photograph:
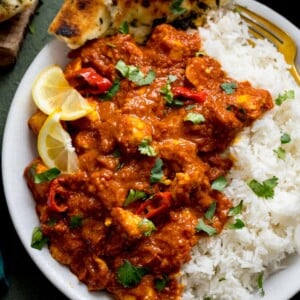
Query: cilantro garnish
{"type": "Point", "coordinates": [211, 211]}
{"type": "Point", "coordinates": [260, 281]}
{"type": "Point", "coordinates": [161, 283]}
{"type": "Point", "coordinates": [112, 91]}
{"type": "Point", "coordinates": [157, 172]}
{"type": "Point", "coordinates": [147, 226]}
{"type": "Point", "coordinates": [201, 226]}
{"type": "Point", "coordinates": [134, 74]}
{"type": "Point", "coordinates": [176, 7]}
{"type": "Point", "coordinates": [287, 95]}
{"type": "Point", "coordinates": [281, 153]}
{"type": "Point", "coordinates": [38, 240]}
{"type": "Point", "coordinates": [233, 211]}
{"type": "Point", "coordinates": [44, 176]}
{"type": "Point", "coordinates": [195, 118]}
{"type": "Point", "coordinates": [219, 183]}
{"type": "Point", "coordinates": [167, 92]}
{"type": "Point", "coordinates": [124, 28]}
{"type": "Point", "coordinates": [129, 275]}
{"type": "Point", "coordinates": [146, 149]}
{"type": "Point", "coordinates": [264, 189]}
{"type": "Point", "coordinates": [229, 87]}
{"type": "Point", "coordinates": [238, 224]}
{"type": "Point", "coordinates": [76, 221]}
{"type": "Point", "coordinates": [134, 195]}
{"type": "Point", "coordinates": [285, 138]}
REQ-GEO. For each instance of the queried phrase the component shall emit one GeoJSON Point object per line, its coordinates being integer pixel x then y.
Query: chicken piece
{"type": "Point", "coordinates": [36, 121]}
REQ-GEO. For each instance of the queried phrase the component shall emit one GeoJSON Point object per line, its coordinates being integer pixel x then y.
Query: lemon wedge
{"type": "Point", "coordinates": [52, 92]}
{"type": "Point", "coordinates": [54, 145]}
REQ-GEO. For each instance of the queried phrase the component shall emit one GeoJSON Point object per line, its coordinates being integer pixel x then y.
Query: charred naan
{"type": "Point", "coordinates": [9, 8]}
{"type": "Point", "coordinates": [82, 20]}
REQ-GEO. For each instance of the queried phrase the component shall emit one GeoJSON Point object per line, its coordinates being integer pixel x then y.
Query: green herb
{"type": "Point", "coordinates": [201, 226]}
{"type": "Point", "coordinates": [31, 29]}
{"type": "Point", "coordinates": [238, 224]}
{"type": "Point", "coordinates": [146, 149]}
{"type": "Point", "coordinates": [124, 28]}
{"type": "Point", "coordinates": [51, 222]}
{"type": "Point", "coordinates": [211, 211]}
{"type": "Point", "coordinates": [134, 74]}
{"type": "Point", "coordinates": [285, 138]}
{"type": "Point", "coordinates": [38, 240]}
{"type": "Point", "coordinates": [190, 106]}
{"type": "Point", "coordinates": [167, 92]}
{"type": "Point", "coordinates": [195, 118]}
{"type": "Point", "coordinates": [207, 298]}
{"type": "Point", "coordinates": [176, 7]}
{"type": "Point", "coordinates": [287, 95]}
{"type": "Point", "coordinates": [147, 226]}
{"type": "Point", "coordinates": [260, 285]}
{"type": "Point", "coordinates": [222, 279]}
{"type": "Point", "coordinates": [76, 221]}
{"type": "Point", "coordinates": [161, 283]}
{"type": "Point", "coordinates": [112, 91]}
{"type": "Point", "coordinates": [264, 189]}
{"type": "Point", "coordinates": [134, 195]}
{"type": "Point", "coordinates": [156, 171]}
{"type": "Point", "coordinates": [44, 176]}
{"type": "Point", "coordinates": [280, 152]}
{"type": "Point", "coordinates": [233, 211]}
{"type": "Point", "coordinates": [219, 184]}
{"type": "Point", "coordinates": [120, 166]}
{"type": "Point", "coordinates": [229, 87]}
{"type": "Point", "coordinates": [129, 275]}
{"type": "Point", "coordinates": [117, 153]}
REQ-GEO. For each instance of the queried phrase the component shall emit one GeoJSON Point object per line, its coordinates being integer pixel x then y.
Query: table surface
{"type": "Point", "coordinates": [26, 282]}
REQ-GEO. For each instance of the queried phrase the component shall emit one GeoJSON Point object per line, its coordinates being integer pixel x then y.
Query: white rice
{"type": "Point", "coordinates": [237, 257]}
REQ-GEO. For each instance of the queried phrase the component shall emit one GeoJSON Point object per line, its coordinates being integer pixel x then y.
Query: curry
{"type": "Point", "coordinates": [150, 153]}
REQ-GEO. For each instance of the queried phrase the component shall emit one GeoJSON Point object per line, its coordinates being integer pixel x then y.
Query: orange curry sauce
{"type": "Point", "coordinates": [146, 167]}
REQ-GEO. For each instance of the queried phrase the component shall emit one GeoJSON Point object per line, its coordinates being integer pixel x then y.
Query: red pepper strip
{"type": "Point", "coordinates": [180, 91]}
{"type": "Point", "coordinates": [156, 205]}
{"type": "Point", "coordinates": [51, 197]}
{"type": "Point", "coordinates": [88, 81]}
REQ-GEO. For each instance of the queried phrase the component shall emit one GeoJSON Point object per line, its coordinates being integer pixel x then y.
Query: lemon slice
{"type": "Point", "coordinates": [54, 146]}
{"type": "Point", "coordinates": [52, 92]}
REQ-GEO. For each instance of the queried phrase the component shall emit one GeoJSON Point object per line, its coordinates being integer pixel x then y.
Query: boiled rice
{"type": "Point", "coordinates": [227, 266]}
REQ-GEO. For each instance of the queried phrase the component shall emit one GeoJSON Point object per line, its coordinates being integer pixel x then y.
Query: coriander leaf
{"type": "Point", "coordinates": [195, 118]}
{"type": "Point", "coordinates": [146, 226]}
{"type": "Point", "coordinates": [285, 138]}
{"type": "Point", "coordinates": [124, 28]}
{"type": "Point", "coordinates": [38, 240]}
{"type": "Point", "coordinates": [260, 280]}
{"type": "Point", "coordinates": [281, 154]}
{"type": "Point", "coordinates": [229, 87]}
{"type": "Point", "coordinates": [44, 176]}
{"type": "Point", "coordinates": [287, 95]}
{"type": "Point", "coordinates": [133, 196]}
{"type": "Point", "coordinates": [264, 189]}
{"type": "Point", "coordinates": [129, 275]}
{"type": "Point", "coordinates": [233, 211]}
{"type": "Point", "coordinates": [76, 221]}
{"type": "Point", "coordinates": [112, 91]}
{"type": "Point", "coordinates": [238, 224]}
{"type": "Point", "coordinates": [219, 184]}
{"type": "Point", "coordinates": [157, 172]}
{"type": "Point", "coordinates": [176, 7]}
{"type": "Point", "coordinates": [167, 92]}
{"type": "Point", "coordinates": [122, 68]}
{"type": "Point", "coordinates": [146, 149]}
{"type": "Point", "coordinates": [161, 283]}
{"type": "Point", "coordinates": [211, 211]}
{"type": "Point", "coordinates": [201, 226]}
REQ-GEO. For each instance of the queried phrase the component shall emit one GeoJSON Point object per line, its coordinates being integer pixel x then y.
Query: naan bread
{"type": "Point", "coordinates": [82, 20]}
{"type": "Point", "coordinates": [9, 8]}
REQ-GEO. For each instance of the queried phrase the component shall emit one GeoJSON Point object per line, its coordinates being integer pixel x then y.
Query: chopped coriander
{"type": "Point", "coordinates": [233, 211]}
{"type": "Point", "coordinates": [211, 211]}
{"type": "Point", "coordinates": [161, 283]}
{"type": "Point", "coordinates": [134, 195]}
{"type": "Point", "coordinates": [167, 92]}
{"type": "Point", "coordinates": [76, 221]}
{"type": "Point", "coordinates": [38, 240]}
{"type": "Point", "coordinates": [260, 281]}
{"type": "Point", "coordinates": [287, 95]}
{"type": "Point", "coordinates": [238, 224]}
{"type": "Point", "coordinates": [134, 74]}
{"type": "Point", "coordinates": [264, 189]}
{"type": "Point", "coordinates": [195, 118]}
{"type": "Point", "coordinates": [222, 279]}
{"type": "Point", "coordinates": [51, 222]}
{"type": "Point", "coordinates": [229, 87]}
{"type": "Point", "coordinates": [207, 298]}
{"type": "Point", "coordinates": [44, 176]}
{"type": "Point", "coordinates": [112, 91]}
{"type": "Point", "coordinates": [201, 226]}
{"type": "Point", "coordinates": [157, 172]}
{"type": "Point", "coordinates": [285, 138]}
{"type": "Point", "coordinates": [147, 226]}
{"type": "Point", "coordinates": [176, 7]}
{"type": "Point", "coordinates": [190, 106]}
{"type": "Point", "coordinates": [146, 149]}
{"type": "Point", "coordinates": [129, 275]}
{"type": "Point", "coordinates": [280, 152]}
{"type": "Point", "coordinates": [219, 184]}
{"type": "Point", "coordinates": [124, 28]}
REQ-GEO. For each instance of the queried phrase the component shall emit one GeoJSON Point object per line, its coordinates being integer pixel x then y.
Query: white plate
{"type": "Point", "coordinates": [19, 149]}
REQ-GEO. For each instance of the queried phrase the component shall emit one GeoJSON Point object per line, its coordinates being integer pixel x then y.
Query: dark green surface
{"type": "Point", "coordinates": [26, 281]}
